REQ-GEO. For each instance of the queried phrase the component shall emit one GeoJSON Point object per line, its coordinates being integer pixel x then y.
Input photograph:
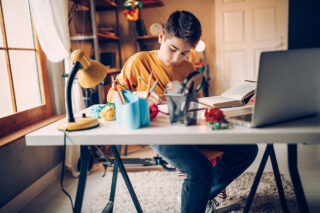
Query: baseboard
{"type": "Point", "coordinates": [21, 200]}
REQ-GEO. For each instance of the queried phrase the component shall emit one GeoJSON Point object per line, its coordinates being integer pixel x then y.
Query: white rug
{"type": "Point", "coordinates": [159, 192]}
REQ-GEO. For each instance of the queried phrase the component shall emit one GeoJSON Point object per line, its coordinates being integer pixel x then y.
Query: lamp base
{"type": "Point", "coordinates": [79, 124]}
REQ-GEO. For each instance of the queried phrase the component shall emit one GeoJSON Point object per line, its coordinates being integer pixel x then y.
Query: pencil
{"type": "Point", "coordinates": [128, 84]}
{"type": "Point", "coordinates": [153, 86]}
{"type": "Point", "coordinates": [116, 88]}
{"type": "Point", "coordinates": [149, 85]}
{"type": "Point", "coordinates": [121, 94]}
{"type": "Point", "coordinates": [143, 80]}
{"type": "Point", "coordinates": [205, 104]}
{"type": "Point", "coordinates": [118, 91]}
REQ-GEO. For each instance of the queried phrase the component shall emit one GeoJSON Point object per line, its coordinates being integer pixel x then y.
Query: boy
{"type": "Point", "coordinates": [181, 33]}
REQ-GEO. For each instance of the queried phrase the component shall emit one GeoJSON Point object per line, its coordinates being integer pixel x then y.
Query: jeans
{"type": "Point", "coordinates": [205, 181]}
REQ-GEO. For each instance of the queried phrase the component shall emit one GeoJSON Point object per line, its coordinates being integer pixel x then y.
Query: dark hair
{"type": "Point", "coordinates": [184, 25]}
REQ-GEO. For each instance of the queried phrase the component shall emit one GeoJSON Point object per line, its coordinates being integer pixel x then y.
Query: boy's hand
{"type": "Point", "coordinates": [154, 98]}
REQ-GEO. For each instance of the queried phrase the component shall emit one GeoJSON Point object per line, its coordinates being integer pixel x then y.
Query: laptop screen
{"type": "Point", "coordinates": [287, 86]}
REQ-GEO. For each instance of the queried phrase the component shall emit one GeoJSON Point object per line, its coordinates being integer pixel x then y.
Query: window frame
{"type": "Point", "coordinates": [19, 120]}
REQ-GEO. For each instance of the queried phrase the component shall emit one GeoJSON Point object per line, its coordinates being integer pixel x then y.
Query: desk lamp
{"type": "Point", "coordinates": [201, 47]}
{"type": "Point", "coordinates": [90, 73]}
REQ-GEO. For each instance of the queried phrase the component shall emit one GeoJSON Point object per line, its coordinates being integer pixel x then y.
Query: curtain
{"type": "Point", "coordinates": [50, 19]}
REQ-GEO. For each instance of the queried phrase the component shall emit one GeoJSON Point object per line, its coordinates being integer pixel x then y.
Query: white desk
{"type": "Point", "coordinates": [300, 131]}
{"type": "Point", "coordinates": [161, 132]}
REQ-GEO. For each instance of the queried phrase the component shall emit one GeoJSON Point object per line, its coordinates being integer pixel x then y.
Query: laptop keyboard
{"type": "Point", "coordinates": [246, 117]}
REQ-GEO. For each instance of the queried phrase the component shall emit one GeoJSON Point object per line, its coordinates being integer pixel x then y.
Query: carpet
{"type": "Point", "coordinates": [159, 192]}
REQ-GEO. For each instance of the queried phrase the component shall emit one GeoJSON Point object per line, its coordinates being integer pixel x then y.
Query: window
{"type": "Point", "coordinates": [24, 89]}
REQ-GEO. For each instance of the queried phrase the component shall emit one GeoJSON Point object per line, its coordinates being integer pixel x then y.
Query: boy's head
{"type": "Point", "coordinates": [181, 33]}
{"type": "Point", "coordinates": [184, 25]}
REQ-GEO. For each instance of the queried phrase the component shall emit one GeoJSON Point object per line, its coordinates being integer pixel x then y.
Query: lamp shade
{"type": "Point", "coordinates": [91, 73]}
{"type": "Point", "coordinates": [200, 47]}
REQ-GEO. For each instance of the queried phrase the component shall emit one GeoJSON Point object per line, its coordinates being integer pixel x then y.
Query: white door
{"type": "Point", "coordinates": [243, 29]}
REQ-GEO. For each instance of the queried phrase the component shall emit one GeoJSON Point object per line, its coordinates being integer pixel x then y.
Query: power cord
{"type": "Point", "coordinates": [62, 172]}
{"type": "Point", "coordinates": [98, 153]}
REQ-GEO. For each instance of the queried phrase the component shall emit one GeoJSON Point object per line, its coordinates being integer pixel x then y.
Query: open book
{"type": "Point", "coordinates": [233, 97]}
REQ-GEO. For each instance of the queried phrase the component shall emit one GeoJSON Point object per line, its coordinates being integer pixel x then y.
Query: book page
{"type": "Point", "coordinates": [219, 101]}
{"type": "Point", "coordinates": [240, 91]}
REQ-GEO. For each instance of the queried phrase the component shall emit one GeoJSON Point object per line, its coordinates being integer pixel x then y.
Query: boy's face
{"type": "Point", "coordinates": [172, 49]}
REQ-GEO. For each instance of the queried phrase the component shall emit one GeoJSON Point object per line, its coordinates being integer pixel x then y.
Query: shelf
{"type": "Point", "coordinates": [146, 37]}
{"type": "Point", "coordinates": [114, 70]}
{"type": "Point", "coordinates": [100, 4]}
{"type": "Point", "coordinates": [81, 37]}
{"type": "Point", "coordinates": [152, 3]}
{"type": "Point", "coordinates": [101, 37]}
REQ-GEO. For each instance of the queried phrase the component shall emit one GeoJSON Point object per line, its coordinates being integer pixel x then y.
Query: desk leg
{"type": "Point", "coordinates": [277, 177]}
{"type": "Point", "coordinates": [84, 162]}
{"type": "Point", "coordinates": [256, 180]}
{"type": "Point", "coordinates": [126, 179]}
{"type": "Point", "coordinates": [268, 152]}
{"type": "Point", "coordinates": [109, 207]}
{"type": "Point", "coordinates": [295, 178]}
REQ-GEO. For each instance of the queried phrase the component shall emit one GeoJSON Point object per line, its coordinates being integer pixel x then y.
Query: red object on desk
{"type": "Point", "coordinates": [214, 114]}
{"type": "Point", "coordinates": [153, 110]}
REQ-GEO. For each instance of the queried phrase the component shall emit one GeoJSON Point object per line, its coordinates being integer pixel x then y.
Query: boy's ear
{"type": "Point", "coordinates": [161, 36]}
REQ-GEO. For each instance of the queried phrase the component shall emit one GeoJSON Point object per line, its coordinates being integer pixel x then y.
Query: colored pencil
{"type": "Point", "coordinates": [153, 86]}
{"type": "Point", "coordinates": [121, 94]}
{"type": "Point", "coordinates": [149, 85]}
{"type": "Point", "coordinates": [207, 105]}
{"type": "Point", "coordinates": [128, 84]}
{"type": "Point", "coordinates": [118, 91]}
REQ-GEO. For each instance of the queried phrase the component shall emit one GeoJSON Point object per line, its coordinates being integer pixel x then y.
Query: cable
{"type": "Point", "coordinates": [62, 170]}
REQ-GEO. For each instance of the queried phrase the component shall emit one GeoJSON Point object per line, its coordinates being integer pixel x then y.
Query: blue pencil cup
{"type": "Point", "coordinates": [144, 112]}
{"type": "Point", "coordinates": [134, 114]}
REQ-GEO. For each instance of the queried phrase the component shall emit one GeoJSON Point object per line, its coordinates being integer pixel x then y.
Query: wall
{"type": "Point", "coordinates": [21, 166]}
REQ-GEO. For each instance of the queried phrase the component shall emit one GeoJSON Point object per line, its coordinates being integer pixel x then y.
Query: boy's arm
{"type": "Point", "coordinates": [128, 72]}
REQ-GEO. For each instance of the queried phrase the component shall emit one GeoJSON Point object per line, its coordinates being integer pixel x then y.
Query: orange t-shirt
{"type": "Point", "coordinates": [142, 64]}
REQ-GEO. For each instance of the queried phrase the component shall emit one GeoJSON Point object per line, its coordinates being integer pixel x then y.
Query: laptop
{"type": "Point", "coordinates": [287, 88]}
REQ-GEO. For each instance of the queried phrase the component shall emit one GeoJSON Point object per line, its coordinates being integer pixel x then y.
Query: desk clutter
{"type": "Point", "coordinates": [133, 112]}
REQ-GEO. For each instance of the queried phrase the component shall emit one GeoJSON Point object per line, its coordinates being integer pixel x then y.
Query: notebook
{"type": "Point", "coordinates": [286, 88]}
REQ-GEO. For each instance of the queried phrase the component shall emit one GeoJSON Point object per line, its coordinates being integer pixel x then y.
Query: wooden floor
{"type": "Point", "coordinates": [138, 151]}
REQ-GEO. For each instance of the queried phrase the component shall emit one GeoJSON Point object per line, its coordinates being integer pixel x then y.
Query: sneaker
{"type": "Point", "coordinates": [223, 194]}
{"type": "Point", "coordinates": [180, 174]}
{"type": "Point", "coordinates": [212, 206]}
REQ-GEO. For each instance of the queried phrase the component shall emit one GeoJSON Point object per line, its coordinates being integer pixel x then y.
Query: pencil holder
{"type": "Point", "coordinates": [134, 114]}
{"type": "Point", "coordinates": [183, 108]}
{"type": "Point", "coordinates": [144, 112]}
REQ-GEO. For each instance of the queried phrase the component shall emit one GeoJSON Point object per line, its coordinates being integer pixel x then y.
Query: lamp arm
{"type": "Point", "coordinates": [72, 75]}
